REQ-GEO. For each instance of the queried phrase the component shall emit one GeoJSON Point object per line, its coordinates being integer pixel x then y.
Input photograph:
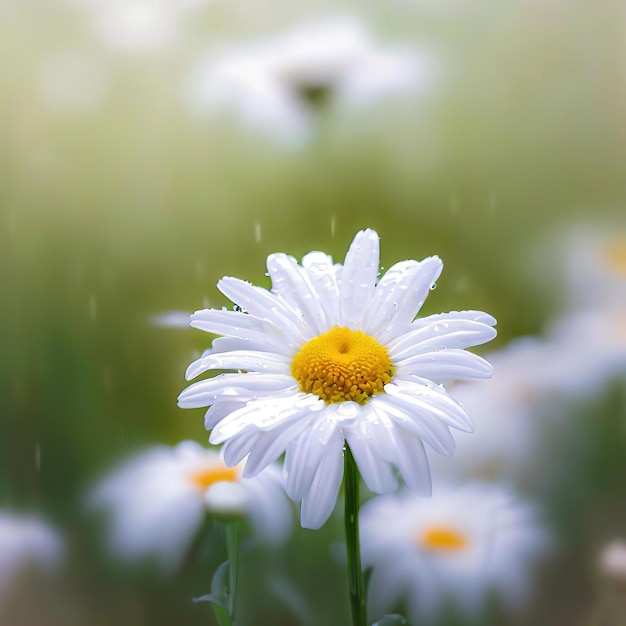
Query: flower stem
{"type": "Point", "coordinates": [232, 547]}
{"type": "Point", "coordinates": [355, 574]}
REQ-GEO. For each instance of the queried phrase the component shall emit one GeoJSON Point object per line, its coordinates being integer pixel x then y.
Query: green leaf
{"type": "Point", "coordinates": [392, 620]}
{"type": "Point", "coordinates": [220, 610]}
{"type": "Point", "coordinates": [219, 582]}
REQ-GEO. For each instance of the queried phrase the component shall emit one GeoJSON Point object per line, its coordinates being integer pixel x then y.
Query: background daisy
{"type": "Point", "coordinates": [159, 498]}
{"type": "Point", "coordinates": [457, 548]}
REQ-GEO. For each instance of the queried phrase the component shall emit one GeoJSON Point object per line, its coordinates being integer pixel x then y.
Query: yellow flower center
{"type": "Point", "coordinates": [206, 478]}
{"type": "Point", "coordinates": [440, 538]}
{"type": "Point", "coordinates": [615, 255]}
{"type": "Point", "coordinates": [342, 365]}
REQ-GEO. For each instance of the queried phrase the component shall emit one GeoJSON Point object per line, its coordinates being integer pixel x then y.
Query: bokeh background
{"type": "Point", "coordinates": [119, 204]}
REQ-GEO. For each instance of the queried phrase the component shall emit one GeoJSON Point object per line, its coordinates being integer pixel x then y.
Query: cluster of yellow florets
{"type": "Point", "coordinates": [341, 365]}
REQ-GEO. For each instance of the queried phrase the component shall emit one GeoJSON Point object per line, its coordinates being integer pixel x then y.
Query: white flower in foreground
{"type": "Point", "coordinates": [277, 85]}
{"type": "Point", "coordinates": [26, 542]}
{"type": "Point", "coordinates": [332, 354]}
{"type": "Point", "coordinates": [459, 547]}
{"type": "Point", "coordinates": [159, 499]}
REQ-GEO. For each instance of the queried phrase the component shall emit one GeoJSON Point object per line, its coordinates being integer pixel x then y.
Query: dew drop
{"type": "Point", "coordinates": [433, 286]}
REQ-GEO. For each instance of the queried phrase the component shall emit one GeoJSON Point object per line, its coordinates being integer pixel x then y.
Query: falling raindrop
{"type": "Point", "coordinates": [200, 272]}
{"type": "Point", "coordinates": [93, 306]}
{"type": "Point", "coordinates": [37, 457]}
{"type": "Point", "coordinates": [333, 225]}
{"type": "Point", "coordinates": [493, 203]}
{"type": "Point", "coordinates": [453, 202]}
{"type": "Point", "coordinates": [12, 223]}
{"type": "Point", "coordinates": [257, 231]}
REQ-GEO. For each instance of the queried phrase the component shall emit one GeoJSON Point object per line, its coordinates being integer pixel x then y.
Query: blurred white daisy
{"type": "Point", "coordinates": [159, 499]}
{"type": "Point", "coordinates": [138, 26]}
{"type": "Point", "coordinates": [279, 85]}
{"type": "Point", "coordinates": [594, 264]}
{"type": "Point", "coordinates": [612, 561]}
{"type": "Point", "coordinates": [73, 79]}
{"type": "Point", "coordinates": [332, 354]}
{"type": "Point", "coordinates": [594, 343]}
{"type": "Point", "coordinates": [533, 377]}
{"type": "Point", "coordinates": [457, 548]}
{"type": "Point", "coordinates": [26, 542]}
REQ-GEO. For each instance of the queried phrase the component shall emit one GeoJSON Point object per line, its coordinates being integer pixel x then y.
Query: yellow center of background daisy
{"type": "Point", "coordinates": [441, 538]}
{"type": "Point", "coordinates": [206, 478]}
{"type": "Point", "coordinates": [616, 256]}
{"type": "Point", "coordinates": [342, 365]}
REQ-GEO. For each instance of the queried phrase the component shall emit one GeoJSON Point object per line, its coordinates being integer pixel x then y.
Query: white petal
{"type": "Point", "coordinates": [266, 414]}
{"type": "Point", "coordinates": [219, 411]}
{"type": "Point", "coordinates": [235, 449]}
{"type": "Point", "coordinates": [239, 324]}
{"type": "Point", "coordinates": [469, 315]}
{"type": "Point", "coordinates": [325, 277]}
{"type": "Point", "coordinates": [228, 386]}
{"type": "Point", "coordinates": [359, 277]}
{"type": "Point", "coordinates": [264, 305]}
{"type": "Point", "coordinates": [240, 360]}
{"type": "Point", "coordinates": [402, 295]}
{"type": "Point", "coordinates": [320, 500]}
{"type": "Point", "coordinates": [270, 445]}
{"type": "Point", "coordinates": [291, 282]}
{"type": "Point", "coordinates": [390, 289]}
{"type": "Point", "coordinates": [440, 335]}
{"type": "Point", "coordinates": [413, 463]}
{"type": "Point", "coordinates": [433, 399]}
{"type": "Point", "coordinates": [305, 453]}
{"type": "Point", "coordinates": [364, 439]}
{"type": "Point", "coordinates": [420, 422]}
{"type": "Point", "coordinates": [445, 365]}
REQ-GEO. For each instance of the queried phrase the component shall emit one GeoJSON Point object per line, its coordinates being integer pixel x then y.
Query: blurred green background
{"type": "Point", "coordinates": [126, 207]}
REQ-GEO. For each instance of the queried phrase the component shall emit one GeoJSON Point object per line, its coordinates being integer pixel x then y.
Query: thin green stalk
{"type": "Point", "coordinates": [355, 573]}
{"type": "Point", "coordinates": [232, 547]}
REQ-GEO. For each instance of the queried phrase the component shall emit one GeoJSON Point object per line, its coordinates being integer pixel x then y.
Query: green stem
{"type": "Point", "coordinates": [232, 547]}
{"type": "Point", "coordinates": [355, 573]}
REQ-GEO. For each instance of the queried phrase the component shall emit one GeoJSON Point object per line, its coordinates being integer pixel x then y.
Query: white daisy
{"type": "Point", "coordinates": [457, 547]}
{"type": "Point", "coordinates": [594, 265]}
{"type": "Point", "coordinates": [25, 542]}
{"type": "Point", "coordinates": [594, 342]}
{"type": "Point", "coordinates": [276, 85]}
{"type": "Point", "coordinates": [612, 561]}
{"type": "Point", "coordinates": [331, 354]}
{"type": "Point", "coordinates": [533, 378]}
{"type": "Point", "coordinates": [138, 26]}
{"type": "Point", "coordinates": [159, 499]}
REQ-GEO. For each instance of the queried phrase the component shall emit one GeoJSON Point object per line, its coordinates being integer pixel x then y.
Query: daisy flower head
{"type": "Point", "coordinates": [457, 548]}
{"type": "Point", "coordinates": [330, 355]}
{"type": "Point", "coordinates": [594, 265]}
{"type": "Point", "coordinates": [278, 85]}
{"type": "Point", "coordinates": [26, 542]}
{"type": "Point", "coordinates": [160, 496]}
